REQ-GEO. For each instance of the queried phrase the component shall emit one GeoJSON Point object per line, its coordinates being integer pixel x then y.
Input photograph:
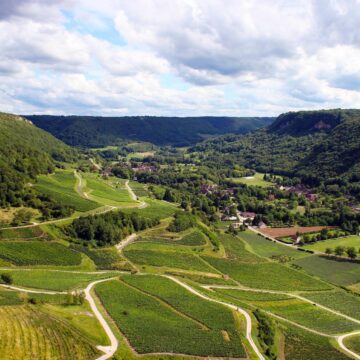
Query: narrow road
{"type": "Point", "coordinates": [233, 307]}
{"type": "Point", "coordinates": [79, 186]}
{"type": "Point", "coordinates": [32, 291]}
{"type": "Point", "coordinates": [142, 204]}
{"type": "Point", "coordinates": [108, 350]}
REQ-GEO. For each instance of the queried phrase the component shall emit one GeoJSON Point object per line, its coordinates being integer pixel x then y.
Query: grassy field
{"type": "Point", "coordinates": [339, 300]}
{"type": "Point", "coordinates": [348, 241]}
{"type": "Point", "coordinates": [138, 188]}
{"type": "Point", "coordinates": [268, 275]}
{"type": "Point", "coordinates": [353, 343]}
{"type": "Point", "coordinates": [61, 187]}
{"type": "Point", "coordinates": [256, 180]}
{"type": "Point", "coordinates": [53, 280]}
{"type": "Point", "coordinates": [27, 333]}
{"type": "Point", "coordinates": [293, 309]}
{"type": "Point", "coordinates": [337, 272]}
{"type": "Point", "coordinates": [155, 209]}
{"type": "Point", "coordinates": [38, 253]}
{"type": "Point", "coordinates": [266, 248]}
{"type": "Point", "coordinates": [22, 233]}
{"type": "Point", "coordinates": [143, 318]}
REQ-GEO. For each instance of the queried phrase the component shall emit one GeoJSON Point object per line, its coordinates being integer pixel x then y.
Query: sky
{"type": "Point", "coordinates": [178, 57]}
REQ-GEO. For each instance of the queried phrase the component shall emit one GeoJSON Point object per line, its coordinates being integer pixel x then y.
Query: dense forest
{"type": "Point", "coordinates": [25, 152]}
{"type": "Point", "coordinates": [89, 131]}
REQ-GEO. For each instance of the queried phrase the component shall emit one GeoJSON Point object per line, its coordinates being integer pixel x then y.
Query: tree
{"type": "Point", "coordinates": [328, 251]}
{"type": "Point", "coordinates": [22, 216]}
{"type": "Point", "coordinates": [351, 252]}
{"type": "Point", "coordinates": [339, 250]}
{"type": "Point", "coordinates": [6, 278]}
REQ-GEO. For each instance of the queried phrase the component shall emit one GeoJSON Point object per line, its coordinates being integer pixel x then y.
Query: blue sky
{"type": "Point", "coordinates": [178, 57]}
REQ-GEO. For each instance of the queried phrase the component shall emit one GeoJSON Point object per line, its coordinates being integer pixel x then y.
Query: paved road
{"type": "Point", "coordinates": [233, 307]}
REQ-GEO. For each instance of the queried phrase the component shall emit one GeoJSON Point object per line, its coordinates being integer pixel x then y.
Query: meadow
{"type": "Point", "coordinates": [61, 187]}
{"type": "Point", "coordinates": [335, 271]}
{"type": "Point", "coordinates": [40, 336]}
{"type": "Point", "coordinates": [348, 241]}
{"type": "Point", "coordinates": [143, 318]}
{"type": "Point", "coordinates": [256, 180]}
{"type": "Point", "coordinates": [22, 233]}
{"type": "Point", "coordinates": [22, 253]}
{"type": "Point", "coordinates": [53, 279]}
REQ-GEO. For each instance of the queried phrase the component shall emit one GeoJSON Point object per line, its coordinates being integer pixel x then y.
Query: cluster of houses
{"type": "Point", "coordinates": [301, 190]}
{"type": "Point", "coordinates": [242, 217]}
{"type": "Point", "coordinates": [144, 168]}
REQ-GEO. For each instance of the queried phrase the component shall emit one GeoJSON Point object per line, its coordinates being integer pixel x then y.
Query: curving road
{"type": "Point", "coordinates": [142, 204]}
{"type": "Point", "coordinates": [340, 340]}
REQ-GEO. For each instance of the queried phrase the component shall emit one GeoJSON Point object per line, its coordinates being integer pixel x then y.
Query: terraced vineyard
{"type": "Point", "coordinates": [40, 336]}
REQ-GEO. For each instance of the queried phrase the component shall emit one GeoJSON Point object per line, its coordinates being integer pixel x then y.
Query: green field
{"type": "Point", "coordinates": [348, 241]}
{"type": "Point", "coordinates": [339, 300]}
{"type": "Point", "coordinates": [266, 248]}
{"type": "Point", "coordinates": [52, 279]}
{"type": "Point", "coordinates": [105, 194]}
{"type": "Point", "coordinates": [256, 180]}
{"type": "Point", "coordinates": [38, 253]}
{"type": "Point", "coordinates": [22, 233]}
{"type": "Point", "coordinates": [61, 187]}
{"type": "Point", "coordinates": [143, 318]}
{"type": "Point", "coordinates": [353, 343]}
{"type": "Point", "coordinates": [155, 209]}
{"type": "Point", "coordinates": [337, 272]}
{"type": "Point", "coordinates": [138, 188]}
{"type": "Point", "coordinates": [167, 259]}
{"type": "Point", "coordinates": [28, 333]}
{"type": "Point", "coordinates": [268, 275]}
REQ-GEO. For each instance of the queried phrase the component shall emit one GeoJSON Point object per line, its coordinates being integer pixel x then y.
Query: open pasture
{"type": "Point", "coordinates": [22, 253]}
{"type": "Point", "coordinates": [272, 276]}
{"type": "Point", "coordinates": [290, 231]}
{"type": "Point", "coordinates": [256, 180]}
{"type": "Point", "coordinates": [347, 241]}
{"type": "Point", "coordinates": [53, 279]}
{"type": "Point", "coordinates": [143, 318]}
{"type": "Point", "coordinates": [61, 187]}
{"type": "Point", "coordinates": [28, 333]}
{"type": "Point", "coordinates": [339, 272]}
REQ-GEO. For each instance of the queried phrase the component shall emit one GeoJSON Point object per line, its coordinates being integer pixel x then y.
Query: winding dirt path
{"type": "Point", "coordinates": [340, 340]}
{"type": "Point", "coordinates": [111, 349]}
{"type": "Point", "coordinates": [142, 204]}
{"type": "Point", "coordinates": [128, 240]}
{"type": "Point", "coordinates": [233, 307]}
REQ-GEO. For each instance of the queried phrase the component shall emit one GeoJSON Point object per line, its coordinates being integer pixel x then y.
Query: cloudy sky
{"type": "Point", "coordinates": [178, 57]}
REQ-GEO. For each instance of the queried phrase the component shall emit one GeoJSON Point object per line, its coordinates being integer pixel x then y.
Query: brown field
{"type": "Point", "coordinates": [289, 231]}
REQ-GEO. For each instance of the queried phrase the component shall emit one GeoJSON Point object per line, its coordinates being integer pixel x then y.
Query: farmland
{"type": "Point", "coordinates": [139, 313]}
{"type": "Point", "coordinates": [40, 335]}
{"type": "Point", "coordinates": [256, 180]}
{"type": "Point", "coordinates": [38, 253]}
{"type": "Point", "coordinates": [61, 187]}
{"type": "Point", "coordinates": [290, 231]}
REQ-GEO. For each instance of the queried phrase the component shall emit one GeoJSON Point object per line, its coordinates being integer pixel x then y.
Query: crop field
{"type": "Point", "coordinates": [335, 271]}
{"type": "Point", "coordinates": [52, 279]}
{"type": "Point", "coordinates": [27, 333]}
{"type": "Point", "coordinates": [339, 300]}
{"type": "Point", "coordinates": [268, 275]}
{"type": "Point", "coordinates": [21, 233]}
{"type": "Point", "coordinates": [194, 238]}
{"type": "Point", "coordinates": [256, 180]}
{"type": "Point", "coordinates": [61, 187]}
{"type": "Point", "coordinates": [143, 318]}
{"type": "Point", "coordinates": [289, 231]}
{"type": "Point", "coordinates": [138, 188]}
{"type": "Point", "coordinates": [168, 259]}
{"type": "Point", "coordinates": [353, 343]}
{"type": "Point", "coordinates": [348, 241]}
{"type": "Point", "coordinates": [155, 209]}
{"type": "Point", "coordinates": [105, 194]}
{"type": "Point", "coordinates": [38, 253]}
{"type": "Point", "coordinates": [266, 248]}
{"type": "Point", "coordinates": [303, 345]}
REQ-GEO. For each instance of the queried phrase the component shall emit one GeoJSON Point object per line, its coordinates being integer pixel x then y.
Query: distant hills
{"type": "Point", "coordinates": [311, 144]}
{"type": "Point", "coordinates": [89, 131]}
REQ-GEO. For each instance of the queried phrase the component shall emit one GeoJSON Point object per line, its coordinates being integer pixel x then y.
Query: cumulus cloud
{"type": "Point", "coordinates": [231, 58]}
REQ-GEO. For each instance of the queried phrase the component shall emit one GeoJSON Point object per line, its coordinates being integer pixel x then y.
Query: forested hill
{"type": "Point", "coordinates": [315, 145]}
{"type": "Point", "coordinates": [25, 152]}
{"type": "Point", "coordinates": [91, 131]}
